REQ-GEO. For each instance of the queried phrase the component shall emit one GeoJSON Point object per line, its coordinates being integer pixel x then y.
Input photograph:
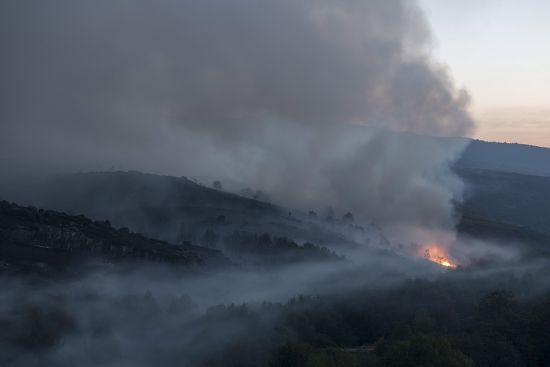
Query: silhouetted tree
{"type": "Point", "coordinates": [210, 238]}
{"type": "Point", "coordinates": [348, 217]}
{"type": "Point", "coordinates": [329, 214]}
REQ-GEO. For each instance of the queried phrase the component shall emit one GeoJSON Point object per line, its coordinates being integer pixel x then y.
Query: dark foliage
{"type": "Point", "coordinates": [33, 239]}
{"type": "Point", "coordinates": [270, 250]}
{"type": "Point", "coordinates": [448, 322]}
{"type": "Point", "coordinates": [517, 199]}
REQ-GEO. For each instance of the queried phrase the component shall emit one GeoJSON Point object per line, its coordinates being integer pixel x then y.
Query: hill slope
{"type": "Point", "coordinates": [174, 209]}
{"type": "Point", "coordinates": [516, 199]}
{"type": "Point", "coordinates": [513, 158]}
{"type": "Point", "coordinates": [41, 240]}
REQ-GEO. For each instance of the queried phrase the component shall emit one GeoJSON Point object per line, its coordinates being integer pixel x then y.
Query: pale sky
{"type": "Point", "coordinates": [499, 50]}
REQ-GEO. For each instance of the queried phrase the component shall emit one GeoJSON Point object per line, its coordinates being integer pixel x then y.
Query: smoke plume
{"type": "Point", "coordinates": [301, 99]}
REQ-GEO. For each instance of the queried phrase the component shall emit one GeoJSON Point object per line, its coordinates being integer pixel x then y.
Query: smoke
{"type": "Point", "coordinates": [149, 315]}
{"type": "Point", "coordinates": [300, 99]}
{"type": "Point", "coordinates": [146, 316]}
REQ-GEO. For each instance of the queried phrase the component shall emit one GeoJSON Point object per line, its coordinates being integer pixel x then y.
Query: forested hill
{"type": "Point", "coordinates": [42, 240]}
{"type": "Point", "coordinates": [505, 157]}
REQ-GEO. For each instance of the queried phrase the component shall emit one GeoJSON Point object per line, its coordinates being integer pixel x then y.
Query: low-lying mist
{"type": "Point", "coordinates": [150, 315]}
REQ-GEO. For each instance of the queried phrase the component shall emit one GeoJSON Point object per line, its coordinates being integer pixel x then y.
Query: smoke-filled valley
{"type": "Point", "coordinates": [257, 183]}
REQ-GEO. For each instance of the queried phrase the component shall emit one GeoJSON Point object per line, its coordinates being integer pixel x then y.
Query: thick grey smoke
{"type": "Point", "coordinates": [270, 93]}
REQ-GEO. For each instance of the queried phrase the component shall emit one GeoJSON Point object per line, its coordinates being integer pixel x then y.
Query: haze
{"type": "Point", "coordinates": [273, 183]}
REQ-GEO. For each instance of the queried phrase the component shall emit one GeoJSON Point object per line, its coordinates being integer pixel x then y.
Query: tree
{"type": "Point", "coordinates": [348, 217]}
{"type": "Point", "coordinates": [210, 238]}
{"type": "Point", "coordinates": [423, 350]}
{"type": "Point", "coordinates": [217, 185]}
{"type": "Point", "coordinates": [291, 355]}
{"type": "Point", "coordinates": [495, 306]}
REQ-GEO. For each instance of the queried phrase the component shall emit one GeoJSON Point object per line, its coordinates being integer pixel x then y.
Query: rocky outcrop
{"type": "Point", "coordinates": [53, 239]}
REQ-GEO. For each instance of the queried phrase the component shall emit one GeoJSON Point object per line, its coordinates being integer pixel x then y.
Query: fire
{"type": "Point", "coordinates": [438, 255]}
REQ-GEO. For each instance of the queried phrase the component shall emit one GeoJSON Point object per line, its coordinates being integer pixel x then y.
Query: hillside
{"type": "Point", "coordinates": [505, 185]}
{"type": "Point", "coordinates": [533, 244]}
{"type": "Point", "coordinates": [43, 240]}
{"type": "Point", "coordinates": [505, 157]}
{"type": "Point", "coordinates": [176, 209]}
{"type": "Point", "coordinates": [512, 198]}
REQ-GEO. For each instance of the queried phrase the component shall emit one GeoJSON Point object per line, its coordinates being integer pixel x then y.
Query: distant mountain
{"type": "Point", "coordinates": [505, 157]}
{"type": "Point", "coordinates": [38, 240]}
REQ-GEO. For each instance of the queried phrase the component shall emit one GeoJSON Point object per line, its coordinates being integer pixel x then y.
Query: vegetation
{"type": "Point", "coordinates": [452, 321]}
{"type": "Point", "coordinates": [418, 324]}
{"type": "Point", "coordinates": [271, 250]}
{"type": "Point", "coordinates": [39, 240]}
{"type": "Point", "coordinates": [519, 200]}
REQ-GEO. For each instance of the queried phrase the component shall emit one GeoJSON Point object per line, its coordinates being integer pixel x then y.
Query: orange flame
{"type": "Point", "coordinates": [438, 255]}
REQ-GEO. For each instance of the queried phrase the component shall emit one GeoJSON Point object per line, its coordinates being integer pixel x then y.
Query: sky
{"type": "Point", "coordinates": [499, 51]}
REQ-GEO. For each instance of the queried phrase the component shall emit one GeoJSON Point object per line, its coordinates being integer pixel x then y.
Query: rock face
{"type": "Point", "coordinates": [36, 238]}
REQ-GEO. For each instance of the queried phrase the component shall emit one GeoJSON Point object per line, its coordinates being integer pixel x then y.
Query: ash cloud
{"type": "Point", "coordinates": [297, 98]}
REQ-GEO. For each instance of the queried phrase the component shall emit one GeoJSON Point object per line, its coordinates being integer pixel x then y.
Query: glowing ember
{"type": "Point", "coordinates": [439, 256]}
